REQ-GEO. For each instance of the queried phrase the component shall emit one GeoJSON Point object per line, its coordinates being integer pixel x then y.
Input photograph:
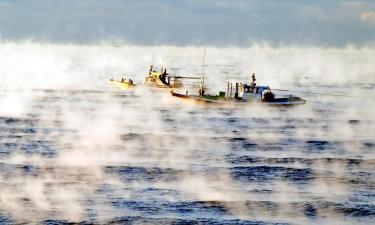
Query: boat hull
{"type": "Point", "coordinates": [152, 82]}
{"type": "Point", "coordinates": [287, 101]}
{"type": "Point", "coordinates": [276, 102]}
{"type": "Point", "coordinates": [195, 98]}
{"type": "Point", "coordinates": [122, 85]}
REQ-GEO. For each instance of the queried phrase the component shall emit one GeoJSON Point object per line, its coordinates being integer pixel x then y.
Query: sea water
{"type": "Point", "coordinates": [73, 148]}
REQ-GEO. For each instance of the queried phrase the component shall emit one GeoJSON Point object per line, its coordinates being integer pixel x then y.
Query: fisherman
{"type": "Point", "coordinates": [253, 80]}
{"type": "Point", "coordinates": [201, 91]}
{"type": "Point", "coordinates": [252, 84]}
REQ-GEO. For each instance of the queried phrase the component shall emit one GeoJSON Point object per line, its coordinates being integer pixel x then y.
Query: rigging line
{"type": "Point", "coordinates": [322, 93]}
{"type": "Point", "coordinates": [153, 57]}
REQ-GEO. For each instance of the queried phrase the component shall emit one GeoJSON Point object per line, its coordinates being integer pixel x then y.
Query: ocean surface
{"type": "Point", "coordinates": [74, 149]}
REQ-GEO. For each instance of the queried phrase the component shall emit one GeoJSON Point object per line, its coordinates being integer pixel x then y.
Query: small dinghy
{"type": "Point", "coordinates": [123, 83]}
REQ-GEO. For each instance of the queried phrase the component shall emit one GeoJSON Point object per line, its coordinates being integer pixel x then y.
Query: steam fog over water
{"type": "Point", "coordinates": [73, 148]}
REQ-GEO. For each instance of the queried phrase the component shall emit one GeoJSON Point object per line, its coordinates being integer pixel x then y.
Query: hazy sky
{"type": "Point", "coordinates": [191, 22]}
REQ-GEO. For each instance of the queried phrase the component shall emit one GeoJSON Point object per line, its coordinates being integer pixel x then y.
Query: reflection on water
{"type": "Point", "coordinates": [101, 155]}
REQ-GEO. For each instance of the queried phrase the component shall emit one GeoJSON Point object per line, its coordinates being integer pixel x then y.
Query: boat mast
{"type": "Point", "coordinates": [204, 55]}
{"type": "Point", "coordinates": [201, 91]}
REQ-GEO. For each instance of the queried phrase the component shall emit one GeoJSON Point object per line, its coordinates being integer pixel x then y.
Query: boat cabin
{"type": "Point", "coordinates": [246, 92]}
{"type": "Point", "coordinates": [162, 79]}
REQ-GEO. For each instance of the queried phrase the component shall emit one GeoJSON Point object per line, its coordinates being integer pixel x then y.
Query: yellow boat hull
{"type": "Point", "coordinates": [122, 85]}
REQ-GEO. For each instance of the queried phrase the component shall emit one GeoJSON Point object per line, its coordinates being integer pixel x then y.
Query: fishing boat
{"type": "Point", "coordinates": [162, 79]}
{"type": "Point", "coordinates": [123, 83]}
{"type": "Point", "coordinates": [238, 92]}
{"type": "Point", "coordinates": [254, 93]}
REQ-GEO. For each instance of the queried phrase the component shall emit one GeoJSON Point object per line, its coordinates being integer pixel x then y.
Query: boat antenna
{"type": "Point", "coordinates": [153, 58]}
{"type": "Point", "coordinates": [152, 64]}
{"type": "Point", "coordinates": [162, 65]}
{"type": "Point", "coordinates": [253, 79]}
{"type": "Point", "coordinates": [255, 61]}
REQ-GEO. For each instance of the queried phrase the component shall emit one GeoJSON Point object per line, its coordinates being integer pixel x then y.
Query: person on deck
{"type": "Point", "coordinates": [252, 84]}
